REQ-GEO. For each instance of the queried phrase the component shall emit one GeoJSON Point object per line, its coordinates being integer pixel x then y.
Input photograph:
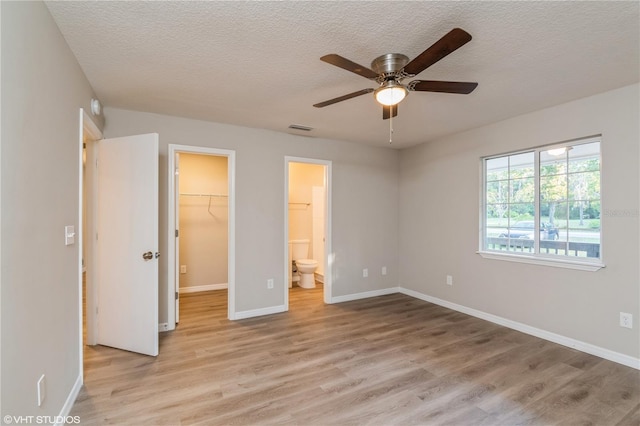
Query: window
{"type": "Point", "coordinates": [544, 203]}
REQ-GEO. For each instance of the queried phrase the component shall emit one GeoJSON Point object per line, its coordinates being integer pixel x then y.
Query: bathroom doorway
{"type": "Point", "coordinates": [307, 228]}
{"type": "Point", "coordinates": [201, 199]}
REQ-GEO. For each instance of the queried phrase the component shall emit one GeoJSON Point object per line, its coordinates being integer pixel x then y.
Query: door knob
{"type": "Point", "coordinates": [147, 256]}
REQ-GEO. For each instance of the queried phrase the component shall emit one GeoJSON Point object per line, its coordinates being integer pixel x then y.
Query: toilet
{"type": "Point", "coordinates": [306, 267]}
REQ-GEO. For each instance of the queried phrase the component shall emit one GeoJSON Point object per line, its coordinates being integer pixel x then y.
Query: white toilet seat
{"type": "Point", "coordinates": [306, 262]}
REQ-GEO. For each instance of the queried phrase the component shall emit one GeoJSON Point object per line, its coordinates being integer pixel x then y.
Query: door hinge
{"type": "Point", "coordinates": [177, 295]}
{"type": "Point", "coordinates": [177, 233]}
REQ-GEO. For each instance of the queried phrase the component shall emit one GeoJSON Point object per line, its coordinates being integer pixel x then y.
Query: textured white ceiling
{"type": "Point", "coordinates": [257, 64]}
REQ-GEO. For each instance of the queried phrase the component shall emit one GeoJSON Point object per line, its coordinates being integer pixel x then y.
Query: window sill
{"type": "Point", "coordinates": [556, 263]}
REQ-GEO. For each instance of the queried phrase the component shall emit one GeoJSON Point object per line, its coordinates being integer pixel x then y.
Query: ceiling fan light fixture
{"type": "Point", "coordinates": [390, 93]}
{"type": "Point", "coordinates": [557, 151]}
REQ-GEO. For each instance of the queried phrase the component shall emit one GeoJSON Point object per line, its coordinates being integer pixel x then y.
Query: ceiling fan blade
{"type": "Point", "coordinates": [453, 40]}
{"type": "Point", "coordinates": [343, 98]}
{"type": "Point", "coordinates": [348, 65]}
{"type": "Point", "coordinates": [389, 111]}
{"type": "Point", "coordinates": [442, 86]}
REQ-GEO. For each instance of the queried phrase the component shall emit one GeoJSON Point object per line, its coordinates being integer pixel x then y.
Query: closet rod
{"type": "Point", "coordinates": [203, 195]}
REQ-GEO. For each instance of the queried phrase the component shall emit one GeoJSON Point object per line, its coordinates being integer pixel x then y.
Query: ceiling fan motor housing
{"type": "Point", "coordinates": [389, 64]}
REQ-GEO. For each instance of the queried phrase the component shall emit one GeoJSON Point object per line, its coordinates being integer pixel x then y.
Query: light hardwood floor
{"type": "Point", "coordinates": [390, 360]}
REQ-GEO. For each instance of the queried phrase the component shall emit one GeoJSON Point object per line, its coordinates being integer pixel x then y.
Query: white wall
{"type": "Point", "coordinates": [365, 200]}
{"type": "Point", "coordinates": [204, 221]}
{"type": "Point", "coordinates": [439, 225]}
{"type": "Point", "coordinates": [42, 90]}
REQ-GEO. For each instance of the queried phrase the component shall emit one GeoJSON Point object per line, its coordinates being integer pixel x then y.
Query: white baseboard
{"type": "Point", "coordinates": [68, 404]}
{"type": "Point", "coordinates": [598, 351]}
{"type": "Point", "coordinates": [365, 295]}
{"type": "Point", "coordinates": [319, 278]}
{"type": "Point", "coordinates": [259, 312]}
{"type": "Point", "coordinates": [208, 287]}
{"type": "Point", "coordinates": [339, 299]}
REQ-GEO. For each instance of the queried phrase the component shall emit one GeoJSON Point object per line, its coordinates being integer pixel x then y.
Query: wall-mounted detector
{"type": "Point", "coordinates": [96, 108]}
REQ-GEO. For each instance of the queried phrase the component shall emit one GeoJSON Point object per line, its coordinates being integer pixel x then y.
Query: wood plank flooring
{"type": "Point", "coordinates": [390, 360]}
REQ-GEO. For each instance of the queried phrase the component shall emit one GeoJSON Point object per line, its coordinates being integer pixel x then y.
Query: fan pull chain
{"type": "Point", "coordinates": [390, 127]}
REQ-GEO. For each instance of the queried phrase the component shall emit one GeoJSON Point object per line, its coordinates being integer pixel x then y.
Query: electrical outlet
{"type": "Point", "coordinates": [384, 270]}
{"type": "Point", "coordinates": [41, 390]}
{"type": "Point", "coordinates": [270, 283]}
{"type": "Point", "coordinates": [626, 320]}
{"type": "Point", "coordinates": [449, 280]}
{"type": "Point", "coordinates": [183, 269]}
{"type": "Point", "coordinates": [365, 273]}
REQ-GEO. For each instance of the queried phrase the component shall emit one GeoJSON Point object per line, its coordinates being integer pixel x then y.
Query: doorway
{"type": "Point", "coordinates": [201, 225]}
{"type": "Point", "coordinates": [203, 218]}
{"type": "Point", "coordinates": [89, 134]}
{"type": "Point", "coordinates": [308, 224]}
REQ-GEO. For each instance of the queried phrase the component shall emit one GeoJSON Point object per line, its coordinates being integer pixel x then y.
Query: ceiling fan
{"type": "Point", "coordinates": [389, 70]}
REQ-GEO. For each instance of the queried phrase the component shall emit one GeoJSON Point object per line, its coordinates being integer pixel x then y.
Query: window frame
{"type": "Point", "coordinates": [536, 257]}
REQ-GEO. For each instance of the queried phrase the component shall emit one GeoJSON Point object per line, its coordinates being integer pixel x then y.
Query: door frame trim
{"type": "Point", "coordinates": [328, 252]}
{"type": "Point", "coordinates": [173, 283]}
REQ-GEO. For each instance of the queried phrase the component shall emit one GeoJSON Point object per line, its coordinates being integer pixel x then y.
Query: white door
{"type": "Point", "coordinates": [127, 243]}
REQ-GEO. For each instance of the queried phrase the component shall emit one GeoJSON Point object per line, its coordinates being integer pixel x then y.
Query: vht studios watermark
{"type": "Point", "coordinates": [40, 420]}
{"type": "Point", "coordinates": [621, 213]}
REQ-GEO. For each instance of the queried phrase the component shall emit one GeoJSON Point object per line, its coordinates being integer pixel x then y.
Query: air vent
{"type": "Point", "coordinates": [300, 127]}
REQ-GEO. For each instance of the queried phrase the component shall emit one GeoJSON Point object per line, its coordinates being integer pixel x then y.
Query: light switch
{"type": "Point", "coordinates": [69, 235]}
